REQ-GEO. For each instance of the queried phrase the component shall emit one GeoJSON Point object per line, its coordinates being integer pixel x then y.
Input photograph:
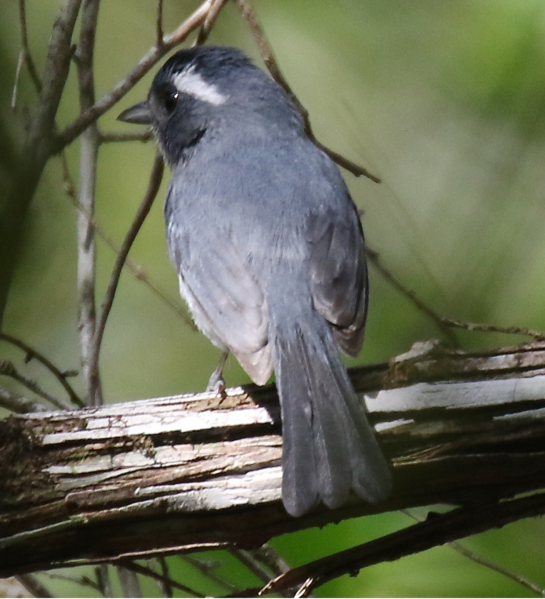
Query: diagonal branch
{"type": "Point", "coordinates": [8, 369]}
{"type": "Point", "coordinates": [32, 354]}
{"type": "Point", "coordinates": [36, 147]}
{"type": "Point", "coordinates": [445, 324]}
{"type": "Point", "coordinates": [20, 405]}
{"type": "Point", "coordinates": [138, 569]}
{"type": "Point", "coordinates": [435, 531]}
{"type": "Point", "coordinates": [137, 271]}
{"type": "Point", "coordinates": [145, 206]}
{"type": "Point", "coordinates": [208, 23]}
{"type": "Point", "coordinates": [485, 562]}
{"type": "Point", "coordinates": [147, 62]}
{"type": "Point", "coordinates": [411, 295]}
{"type": "Point", "coordinates": [271, 63]}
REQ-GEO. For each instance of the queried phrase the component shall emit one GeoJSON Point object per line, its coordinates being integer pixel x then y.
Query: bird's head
{"type": "Point", "coordinates": [211, 88]}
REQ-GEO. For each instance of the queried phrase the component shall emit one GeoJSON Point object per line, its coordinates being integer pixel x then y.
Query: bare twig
{"type": "Point", "coordinates": [89, 146]}
{"type": "Point", "coordinates": [484, 562]}
{"type": "Point", "coordinates": [18, 404]}
{"type": "Point", "coordinates": [272, 559]}
{"type": "Point", "coordinates": [36, 146]}
{"type": "Point", "coordinates": [261, 564]}
{"type": "Point", "coordinates": [206, 567]}
{"type": "Point", "coordinates": [25, 57]}
{"type": "Point", "coordinates": [130, 585]}
{"type": "Point", "coordinates": [306, 588]}
{"type": "Point", "coordinates": [247, 559]}
{"type": "Point", "coordinates": [208, 23]}
{"type": "Point", "coordinates": [8, 369]}
{"type": "Point", "coordinates": [143, 210]}
{"type": "Point", "coordinates": [445, 323]}
{"type": "Point", "coordinates": [165, 587]}
{"type": "Point", "coordinates": [159, 24]}
{"type": "Point", "coordinates": [138, 569]}
{"type": "Point", "coordinates": [56, 69]}
{"type": "Point", "coordinates": [147, 62]}
{"type": "Point", "coordinates": [271, 63]}
{"type": "Point", "coordinates": [83, 581]}
{"type": "Point", "coordinates": [103, 580]}
{"type": "Point", "coordinates": [492, 328]}
{"type": "Point", "coordinates": [411, 295]}
{"type": "Point", "coordinates": [137, 271]}
{"type": "Point", "coordinates": [441, 529]}
{"type": "Point", "coordinates": [134, 136]}
{"type": "Point", "coordinates": [496, 568]}
{"type": "Point", "coordinates": [32, 354]}
{"type": "Point", "coordinates": [33, 585]}
{"type": "Point", "coordinates": [20, 63]}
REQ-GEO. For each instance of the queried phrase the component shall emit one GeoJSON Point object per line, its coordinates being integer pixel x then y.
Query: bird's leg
{"type": "Point", "coordinates": [216, 383]}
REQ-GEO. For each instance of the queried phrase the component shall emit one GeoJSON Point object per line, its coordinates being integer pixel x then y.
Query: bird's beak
{"type": "Point", "coordinates": [139, 114]}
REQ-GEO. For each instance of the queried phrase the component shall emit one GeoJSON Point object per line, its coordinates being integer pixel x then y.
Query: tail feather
{"type": "Point", "coordinates": [329, 446]}
{"type": "Point", "coordinates": [328, 435]}
{"type": "Point", "coordinates": [299, 478]}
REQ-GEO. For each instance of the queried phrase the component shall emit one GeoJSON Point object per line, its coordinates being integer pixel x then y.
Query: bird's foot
{"type": "Point", "coordinates": [216, 383]}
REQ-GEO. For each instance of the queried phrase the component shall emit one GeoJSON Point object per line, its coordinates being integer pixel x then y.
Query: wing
{"type": "Point", "coordinates": [226, 300]}
{"type": "Point", "coordinates": [338, 271]}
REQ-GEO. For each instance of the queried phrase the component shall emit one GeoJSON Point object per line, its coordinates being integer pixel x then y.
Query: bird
{"type": "Point", "coordinates": [270, 255]}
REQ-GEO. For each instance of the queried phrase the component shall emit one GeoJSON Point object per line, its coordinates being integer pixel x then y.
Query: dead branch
{"type": "Point", "coordinates": [184, 473]}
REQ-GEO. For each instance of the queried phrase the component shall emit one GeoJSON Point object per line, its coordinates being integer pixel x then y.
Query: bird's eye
{"type": "Point", "coordinates": [170, 100]}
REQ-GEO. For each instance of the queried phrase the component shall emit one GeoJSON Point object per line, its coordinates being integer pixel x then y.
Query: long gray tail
{"type": "Point", "coordinates": [329, 447]}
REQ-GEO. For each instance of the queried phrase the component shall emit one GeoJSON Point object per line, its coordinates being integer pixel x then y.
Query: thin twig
{"type": "Point", "coordinates": [164, 585]}
{"type": "Point", "coordinates": [130, 585]}
{"type": "Point", "coordinates": [442, 322]}
{"type": "Point", "coordinates": [25, 57]}
{"type": "Point", "coordinates": [32, 354]}
{"type": "Point", "coordinates": [143, 210]}
{"type": "Point", "coordinates": [271, 63]}
{"type": "Point", "coordinates": [138, 569]}
{"type": "Point", "coordinates": [441, 529]}
{"type": "Point", "coordinates": [205, 568]}
{"type": "Point", "coordinates": [37, 145]}
{"type": "Point", "coordinates": [137, 271]}
{"type": "Point", "coordinates": [8, 369]}
{"type": "Point", "coordinates": [34, 586]}
{"type": "Point", "coordinates": [103, 580]}
{"type": "Point", "coordinates": [492, 328]}
{"type": "Point", "coordinates": [19, 68]}
{"type": "Point", "coordinates": [251, 563]}
{"type": "Point", "coordinates": [408, 293]}
{"type": "Point", "coordinates": [83, 581]}
{"type": "Point", "coordinates": [89, 146]}
{"type": "Point", "coordinates": [159, 25]}
{"type": "Point", "coordinates": [29, 61]}
{"type": "Point", "coordinates": [147, 62]}
{"type": "Point", "coordinates": [56, 68]}
{"type": "Point", "coordinates": [18, 404]}
{"type": "Point", "coordinates": [261, 565]}
{"type": "Point", "coordinates": [134, 136]}
{"type": "Point", "coordinates": [306, 588]}
{"type": "Point", "coordinates": [272, 559]}
{"type": "Point", "coordinates": [208, 23]}
{"type": "Point", "coordinates": [484, 562]}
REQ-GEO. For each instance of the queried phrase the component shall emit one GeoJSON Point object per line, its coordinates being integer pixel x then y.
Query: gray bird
{"type": "Point", "coordinates": [269, 252]}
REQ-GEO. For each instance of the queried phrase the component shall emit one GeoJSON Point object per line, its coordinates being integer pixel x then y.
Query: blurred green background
{"type": "Point", "coordinates": [443, 100]}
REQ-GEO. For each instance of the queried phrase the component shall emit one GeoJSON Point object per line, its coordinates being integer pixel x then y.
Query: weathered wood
{"type": "Point", "coordinates": [186, 472]}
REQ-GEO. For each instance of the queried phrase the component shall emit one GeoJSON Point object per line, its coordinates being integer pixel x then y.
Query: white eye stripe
{"type": "Point", "coordinates": [189, 82]}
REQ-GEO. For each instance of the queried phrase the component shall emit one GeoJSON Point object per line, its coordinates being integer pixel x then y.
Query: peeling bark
{"type": "Point", "coordinates": [189, 472]}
